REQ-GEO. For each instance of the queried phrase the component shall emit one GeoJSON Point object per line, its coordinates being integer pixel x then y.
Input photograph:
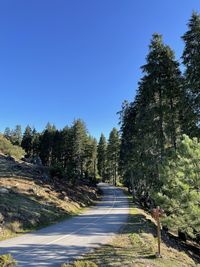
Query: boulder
{"type": "Point", "coordinates": [4, 190]}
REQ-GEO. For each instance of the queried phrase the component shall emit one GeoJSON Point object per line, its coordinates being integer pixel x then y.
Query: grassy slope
{"type": "Point", "coordinates": [33, 202]}
{"type": "Point", "coordinates": [136, 246]}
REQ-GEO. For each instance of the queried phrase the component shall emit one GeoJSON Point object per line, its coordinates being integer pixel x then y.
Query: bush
{"type": "Point", "coordinates": [14, 226]}
{"type": "Point", "coordinates": [7, 148]}
{"type": "Point", "coordinates": [7, 260]}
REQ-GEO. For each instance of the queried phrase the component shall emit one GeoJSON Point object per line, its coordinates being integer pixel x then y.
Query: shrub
{"type": "Point", "coordinates": [7, 260]}
{"type": "Point", "coordinates": [7, 148]}
{"type": "Point", "coordinates": [14, 226]}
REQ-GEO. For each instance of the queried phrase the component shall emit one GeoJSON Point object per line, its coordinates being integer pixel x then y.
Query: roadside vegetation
{"type": "Point", "coordinates": [136, 245]}
{"type": "Point", "coordinates": [7, 148]}
{"type": "Point", "coordinates": [160, 131]}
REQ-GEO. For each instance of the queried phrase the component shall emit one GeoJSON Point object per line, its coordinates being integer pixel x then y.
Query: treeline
{"type": "Point", "coordinates": [159, 161]}
{"type": "Point", "coordinates": [70, 153]}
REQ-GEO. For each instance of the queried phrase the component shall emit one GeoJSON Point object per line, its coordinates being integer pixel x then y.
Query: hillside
{"type": "Point", "coordinates": [30, 199]}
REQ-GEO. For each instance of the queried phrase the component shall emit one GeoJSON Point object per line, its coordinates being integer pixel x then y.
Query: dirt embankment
{"type": "Point", "coordinates": [30, 199]}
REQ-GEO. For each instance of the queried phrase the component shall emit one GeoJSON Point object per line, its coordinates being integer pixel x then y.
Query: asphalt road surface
{"type": "Point", "coordinates": [74, 237]}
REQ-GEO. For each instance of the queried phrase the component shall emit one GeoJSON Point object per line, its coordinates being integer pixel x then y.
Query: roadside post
{"type": "Point", "coordinates": [156, 214]}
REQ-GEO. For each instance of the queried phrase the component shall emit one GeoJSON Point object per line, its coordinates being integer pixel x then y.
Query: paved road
{"type": "Point", "coordinates": [69, 239]}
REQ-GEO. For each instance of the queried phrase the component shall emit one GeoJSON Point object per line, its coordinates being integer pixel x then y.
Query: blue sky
{"type": "Point", "coordinates": [67, 59]}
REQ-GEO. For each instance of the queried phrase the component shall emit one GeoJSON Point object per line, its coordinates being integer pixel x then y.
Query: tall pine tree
{"type": "Point", "coordinates": [191, 60]}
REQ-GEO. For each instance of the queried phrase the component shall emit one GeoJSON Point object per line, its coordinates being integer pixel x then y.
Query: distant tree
{"type": "Point", "coordinates": [7, 133]}
{"type": "Point", "coordinates": [91, 158]}
{"type": "Point", "coordinates": [101, 155]}
{"type": "Point", "coordinates": [27, 141]}
{"type": "Point", "coordinates": [35, 142]}
{"type": "Point", "coordinates": [79, 141]}
{"type": "Point", "coordinates": [17, 135]}
{"type": "Point", "coordinates": [46, 144]}
{"type": "Point", "coordinates": [113, 154]}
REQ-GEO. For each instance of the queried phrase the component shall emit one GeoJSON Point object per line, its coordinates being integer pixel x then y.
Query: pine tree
{"type": "Point", "coordinates": [35, 142]}
{"type": "Point", "coordinates": [79, 140]}
{"type": "Point", "coordinates": [191, 60]}
{"type": "Point", "coordinates": [7, 133]}
{"type": "Point", "coordinates": [101, 154]}
{"type": "Point", "coordinates": [179, 194]}
{"type": "Point", "coordinates": [46, 144]}
{"type": "Point", "coordinates": [113, 154]}
{"type": "Point", "coordinates": [151, 125]}
{"type": "Point", "coordinates": [27, 141]}
{"type": "Point", "coordinates": [91, 159]}
{"type": "Point", "coordinates": [17, 135]}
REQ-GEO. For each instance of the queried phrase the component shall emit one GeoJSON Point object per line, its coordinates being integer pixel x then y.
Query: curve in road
{"type": "Point", "coordinates": [72, 238]}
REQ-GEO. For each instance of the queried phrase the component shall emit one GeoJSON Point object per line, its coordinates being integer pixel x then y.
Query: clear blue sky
{"type": "Point", "coordinates": [66, 59]}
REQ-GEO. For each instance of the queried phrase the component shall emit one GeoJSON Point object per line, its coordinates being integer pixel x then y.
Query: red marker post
{"type": "Point", "coordinates": [156, 214]}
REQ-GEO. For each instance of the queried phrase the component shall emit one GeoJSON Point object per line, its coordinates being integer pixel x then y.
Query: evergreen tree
{"type": "Point", "coordinates": [179, 194]}
{"type": "Point", "coordinates": [14, 136]}
{"type": "Point", "coordinates": [17, 136]}
{"type": "Point", "coordinates": [113, 154]}
{"type": "Point", "coordinates": [35, 142]}
{"type": "Point", "coordinates": [101, 154]}
{"type": "Point", "coordinates": [7, 133]}
{"type": "Point", "coordinates": [67, 151]}
{"type": "Point", "coordinates": [27, 141]}
{"type": "Point", "coordinates": [46, 144]}
{"type": "Point", "coordinates": [91, 159]}
{"type": "Point", "coordinates": [191, 60]}
{"type": "Point", "coordinates": [151, 125]}
{"type": "Point", "coordinates": [79, 140]}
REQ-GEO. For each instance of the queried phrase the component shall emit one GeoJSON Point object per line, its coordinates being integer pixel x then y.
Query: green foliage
{"type": "Point", "coordinates": [151, 125]}
{"type": "Point", "coordinates": [27, 141]}
{"type": "Point", "coordinates": [91, 158]}
{"type": "Point", "coordinates": [14, 136]}
{"type": "Point", "coordinates": [7, 148]}
{"type": "Point", "coordinates": [7, 260]}
{"type": "Point", "coordinates": [57, 170]}
{"type": "Point", "coordinates": [180, 192]}
{"type": "Point", "coordinates": [102, 156]}
{"type": "Point", "coordinates": [192, 73]}
{"type": "Point", "coordinates": [113, 155]}
{"type": "Point", "coordinates": [153, 161]}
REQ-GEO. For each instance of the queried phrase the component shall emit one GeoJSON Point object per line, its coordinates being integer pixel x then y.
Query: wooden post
{"type": "Point", "coordinates": [159, 236]}
{"type": "Point", "coordinates": [156, 214]}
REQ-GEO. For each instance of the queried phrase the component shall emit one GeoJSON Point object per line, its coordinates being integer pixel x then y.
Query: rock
{"type": "Point", "coordinates": [10, 158]}
{"type": "Point", "coordinates": [4, 190]}
{"type": "Point", "coordinates": [66, 198]}
{"type": "Point", "coordinates": [37, 160]}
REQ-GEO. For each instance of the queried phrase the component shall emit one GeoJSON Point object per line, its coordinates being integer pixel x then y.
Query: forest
{"type": "Point", "coordinates": [156, 152]}
{"type": "Point", "coordinates": [70, 153]}
{"type": "Point", "coordinates": [160, 132]}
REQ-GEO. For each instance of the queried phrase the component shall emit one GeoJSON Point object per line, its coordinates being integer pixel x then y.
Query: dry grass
{"type": "Point", "coordinates": [33, 203]}
{"type": "Point", "coordinates": [136, 246]}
